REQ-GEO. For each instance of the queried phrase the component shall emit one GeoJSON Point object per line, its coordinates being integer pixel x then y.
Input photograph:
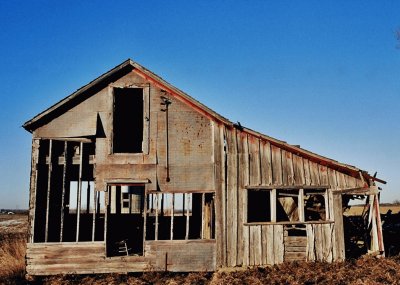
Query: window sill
{"type": "Point", "coordinates": [288, 223]}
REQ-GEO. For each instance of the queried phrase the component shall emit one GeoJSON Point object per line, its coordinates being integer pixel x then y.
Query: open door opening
{"type": "Point", "coordinates": [125, 220]}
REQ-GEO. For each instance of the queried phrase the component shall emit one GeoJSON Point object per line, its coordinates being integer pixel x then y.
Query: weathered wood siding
{"type": "Point", "coordinates": [252, 160]}
{"type": "Point", "coordinates": [79, 258]}
{"type": "Point", "coordinates": [89, 258]}
{"type": "Point", "coordinates": [189, 134]}
{"type": "Point", "coordinates": [181, 255]}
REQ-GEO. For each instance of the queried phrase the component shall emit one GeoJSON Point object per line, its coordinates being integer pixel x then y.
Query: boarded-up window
{"type": "Point", "coordinates": [128, 120]}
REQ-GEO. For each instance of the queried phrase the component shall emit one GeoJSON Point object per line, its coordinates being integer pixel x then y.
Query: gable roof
{"type": "Point", "coordinates": [129, 65]}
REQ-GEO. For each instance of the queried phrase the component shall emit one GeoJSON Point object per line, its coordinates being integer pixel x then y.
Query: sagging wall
{"type": "Point", "coordinates": [244, 160]}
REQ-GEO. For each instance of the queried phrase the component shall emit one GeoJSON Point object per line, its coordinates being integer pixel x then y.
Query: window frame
{"type": "Point", "coordinates": [301, 193]}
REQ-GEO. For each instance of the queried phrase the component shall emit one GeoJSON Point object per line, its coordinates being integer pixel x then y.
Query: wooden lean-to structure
{"type": "Point", "coordinates": [131, 174]}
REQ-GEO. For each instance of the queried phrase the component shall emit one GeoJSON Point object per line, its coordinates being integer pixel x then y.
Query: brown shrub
{"type": "Point", "coordinates": [12, 260]}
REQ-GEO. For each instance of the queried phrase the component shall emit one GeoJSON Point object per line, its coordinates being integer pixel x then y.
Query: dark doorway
{"type": "Point", "coordinates": [125, 220]}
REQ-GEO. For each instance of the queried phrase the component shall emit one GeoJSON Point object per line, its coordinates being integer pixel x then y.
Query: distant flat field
{"type": "Point", "coordinates": [357, 210]}
{"type": "Point", "coordinates": [13, 224]}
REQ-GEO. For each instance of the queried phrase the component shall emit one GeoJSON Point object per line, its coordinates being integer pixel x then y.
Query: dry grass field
{"type": "Point", "coordinates": [366, 270]}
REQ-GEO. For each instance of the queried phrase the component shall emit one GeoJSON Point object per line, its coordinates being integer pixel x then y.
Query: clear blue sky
{"type": "Point", "coordinates": [322, 74]}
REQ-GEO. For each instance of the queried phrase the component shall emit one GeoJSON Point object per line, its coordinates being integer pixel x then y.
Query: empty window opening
{"type": "Point", "coordinates": [258, 206]}
{"type": "Point", "coordinates": [179, 216]}
{"type": "Point", "coordinates": [128, 120]}
{"type": "Point", "coordinates": [125, 220]}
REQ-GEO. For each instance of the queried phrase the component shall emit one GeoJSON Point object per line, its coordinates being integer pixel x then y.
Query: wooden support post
{"type": "Point", "coordinates": [172, 216]}
{"type": "Point", "coordinates": [88, 198]}
{"type": "Point", "coordinates": [273, 205]}
{"type": "Point", "coordinates": [78, 206]}
{"type": "Point", "coordinates": [107, 196]}
{"type": "Point", "coordinates": [95, 197]}
{"type": "Point", "coordinates": [64, 185]}
{"type": "Point", "coordinates": [46, 234]}
{"type": "Point", "coordinates": [156, 223]}
{"type": "Point", "coordinates": [326, 201]}
{"type": "Point", "coordinates": [202, 215]}
{"type": "Point", "coordinates": [379, 225]}
{"type": "Point", "coordinates": [187, 196]}
{"type": "Point", "coordinates": [300, 205]}
{"type": "Point", "coordinates": [144, 211]}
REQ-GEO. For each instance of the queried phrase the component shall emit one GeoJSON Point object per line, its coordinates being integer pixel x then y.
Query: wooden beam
{"type": "Point", "coordinates": [78, 206]}
{"type": "Point", "coordinates": [288, 223]}
{"type": "Point", "coordinates": [46, 234]}
{"type": "Point", "coordinates": [64, 185]}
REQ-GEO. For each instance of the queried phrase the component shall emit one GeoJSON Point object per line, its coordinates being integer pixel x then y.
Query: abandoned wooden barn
{"type": "Point", "coordinates": [130, 174]}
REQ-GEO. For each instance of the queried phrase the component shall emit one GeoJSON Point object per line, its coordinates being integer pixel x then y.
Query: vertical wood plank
{"type": "Point", "coordinates": [203, 226]}
{"type": "Point", "coordinates": [79, 195]}
{"type": "Point", "coordinates": [287, 168]}
{"type": "Point", "coordinates": [257, 246]}
{"type": "Point", "coordinates": [318, 242]}
{"type": "Point", "coordinates": [156, 196]}
{"type": "Point", "coordinates": [276, 165]}
{"type": "Point", "coordinates": [301, 205]}
{"type": "Point", "coordinates": [279, 246]}
{"type": "Point", "coordinates": [270, 244]}
{"type": "Point", "coordinates": [266, 168]}
{"type": "Point", "coordinates": [243, 166]}
{"type": "Point", "coordinates": [50, 170]}
{"type": "Point", "coordinates": [232, 200]}
{"type": "Point", "coordinates": [264, 245]}
{"type": "Point", "coordinates": [172, 216]}
{"type": "Point", "coordinates": [64, 185]}
{"type": "Point", "coordinates": [218, 155]}
{"type": "Point", "coordinates": [144, 213]}
{"type": "Point", "coordinates": [307, 174]}
{"type": "Point", "coordinates": [187, 196]}
{"type": "Point", "coordinates": [323, 174]}
{"type": "Point", "coordinates": [33, 187]}
{"type": "Point", "coordinates": [314, 172]}
{"type": "Point", "coordinates": [254, 160]}
{"type": "Point", "coordinates": [95, 197]}
{"type": "Point", "coordinates": [298, 168]}
{"type": "Point", "coordinates": [310, 242]}
{"type": "Point", "coordinates": [272, 200]}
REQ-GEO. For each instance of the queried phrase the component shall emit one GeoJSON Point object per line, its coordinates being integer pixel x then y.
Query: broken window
{"type": "Point", "coordinates": [128, 117]}
{"type": "Point", "coordinates": [314, 205]}
{"type": "Point", "coordinates": [175, 216]}
{"type": "Point", "coordinates": [286, 205]}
